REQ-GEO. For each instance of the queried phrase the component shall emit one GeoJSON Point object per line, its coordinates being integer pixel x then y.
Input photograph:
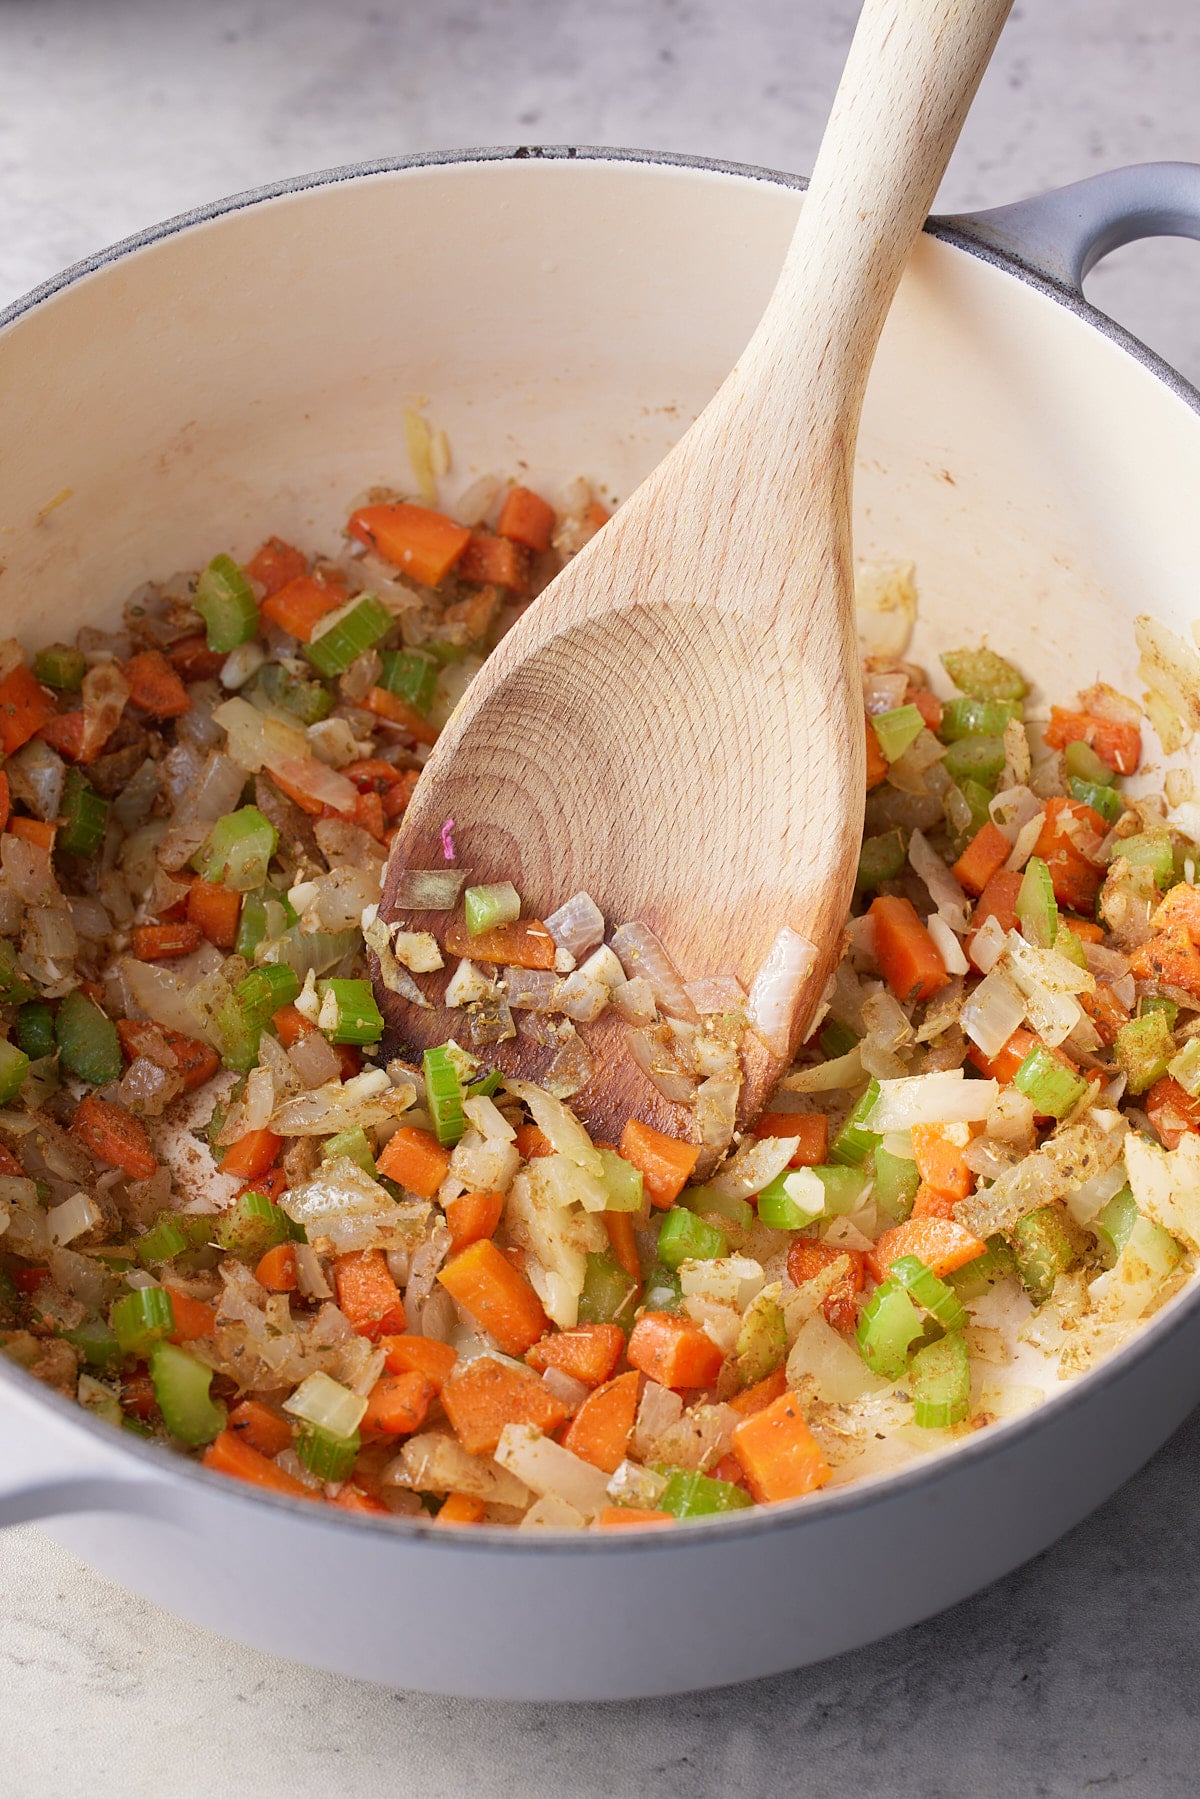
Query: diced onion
{"type": "Point", "coordinates": [641, 953]}
{"type": "Point", "coordinates": [73, 1217]}
{"type": "Point", "coordinates": [993, 1012]}
{"type": "Point", "coordinates": [327, 1404]}
{"type": "Point", "coordinates": [578, 925]}
{"type": "Point", "coordinates": [660, 1067]}
{"type": "Point", "coordinates": [947, 945]}
{"type": "Point", "coordinates": [549, 1469]}
{"type": "Point", "coordinates": [945, 1098]}
{"type": "Point", "coordinates": [777, 989]}
{"type": "Point", "coordinates": [428, 889]}
{"type": "Point", "coordinates": [753, 1167]}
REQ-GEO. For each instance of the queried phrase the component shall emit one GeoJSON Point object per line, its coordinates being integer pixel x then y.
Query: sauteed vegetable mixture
{"type": "Point", "coordinates": [235, 1219]}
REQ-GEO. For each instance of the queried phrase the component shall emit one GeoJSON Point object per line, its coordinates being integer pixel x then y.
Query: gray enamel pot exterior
{"type": "Point", "coordinates": [243, 371]}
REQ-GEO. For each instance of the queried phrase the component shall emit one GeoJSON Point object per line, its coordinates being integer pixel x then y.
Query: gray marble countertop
{"type": "Point", "coordinates": [1075, 1675]}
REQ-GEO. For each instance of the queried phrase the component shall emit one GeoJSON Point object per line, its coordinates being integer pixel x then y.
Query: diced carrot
{"type": "Point", "coordinates": [158, 942]}
{"type": "Point", "coordinates": [612, 1517]}
{"type": "Point", "coordinates": [1118, 744]}
{"type": "Point", "coordinates": [596, 516]}
{"type": "Point", "coordinates": [1086, 929]}
{"type": "Point", "coordinates": [28, 1280]}
{"type": "Point", "coordinates": [155, 686]}
{"type": "Point", "coordinates": [138, 1398]}
{"type": "Point", "coordinates": [1007, 1059]}
{"type": "Point", "coordinates": [251, 1155]}
{"type": "Point", "coordinates": [349, 1060]}
{"type": "Point", "coordinates": [1105, 1011]}
{"type": "Point", "coordinates": [532, 1141]}
{"type": "Point", "coordinates": [368, 813]}
{"type": "Point", "coordinates": [192, 659]}
{"type": "Point", "coordinates": [1172, 1111]}
{"type": "Point", "coordinates": [33, 830]}
{"type": "Point", "coordinates": [673, 1351]}
{"type": "Point", "coordinates": [398, 712]}
{"type": "Point", "coordinates": [484, 1395]}
{"type": "Point", "coordinates": [397, 1405]}
{"type": "Point", "coordinates": [762, 1394]}
{"type": "Point", "coordinates": [115, 1136]}
{"type": "Point", "coordinates": [215, 911]}
{"type": "Point", "coordinates": [941, 1159]}
{"type": "Point", "coordinates": [495, 562]}
{"type": "Point", "coordinates": [195, 1062]}
{"type": "Point", "coordinates": [291, 1025]}
{"type": "Point", "coordinates": [265, 1430]}
{"type": "Point", "coordinates": [192, 1317]}
{"type": "Point", "coordinates": [367, 1294]}
{"type": "Point", "coordinates": [66, 733]}
{"type": "Point", "coordinates": [460, 1508]}
{"type": "Point", "coordinates": [1069, 843]}
{"type": "Point", "coordinates": [397, 797]}
{"type": "Point", "coordinates": [906, 953]}
{"type": "Point", "coordinates": [619, 1226]}
{"type": "Point", "coordinates": [496, 1294]}
{"type": "Point", "coordinates": [666, 1165]}
{"type": "Point", "coordinates": [9, 1163]}
{"type": "Point", "coordinates": [779, 1455]}
{"type": "Point", "coordinates": [276, 1270]}
{"type": "Point", "coordinates": [940, 1243]}
{"type": "Point", "coordinates": [229, 1454]}
{"type": "Point", "coordinates": [526, 518]}
{"type": "Point", "coordinates": [812, 1128]}
{"type": "Point", "coordinates": [928, 705]}
{"type": "Point", "coordinates": [877, 762]}
{"type": "Point", "coordinates": [271, 1184]}
{"type": "Point", "coordinates": [999, 901]}
{"type": "Point", "coordinates": [25, 708]}
{"type": "Point", "coordinates": [599, 1432]}
{"type": "Point", "coordinates": [588, 1352]}
{"type": "Point", "coordinates": [1180, 910]}
{"type": "Point", "coordinates": [1171, 959]}
{"type": "Point", "coordinates": [931, 1202]}
{"type": "Point", "coordinates": [5, 799]}
{"type": "Point", "coordinates": [473, 1215]}
{"type": "Point", "coordinates": [274, 564]}
{"type": "Point", "coordinates": [372, 775]}
{"type": "Point", "coordinates": [414, 1159]}
{"type": "Point", "coordinates": [807, 1257]}
{"type": "Point", "coordinates": [526, 943]}
{"type": "Point", "coordinates": [351, 1498]}
{"type": "Point", "coordinates": [983, 857]}
{"type": "Point", "coordinates": [302, 604]}
{"type": "Point", "coordinates": [728, 1468]}
{"type": "Point", "coordinates": [424, 544]}
{"type": "Point", "coordinates": [419, 1355]}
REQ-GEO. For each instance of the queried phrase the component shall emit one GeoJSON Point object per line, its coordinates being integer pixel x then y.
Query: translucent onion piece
{"type": "Point", "coordinates": [658, 1064]}
{"type": "Point", "coordinates": [26, 867]}
{"type": "Point", "coordinates": [950, 901]}
{"type": "Point", "coordinates": [90, 919]}
{"type": "Point", "coordinates": [217, 791]}
{"type": "Point", "coordinates": [716, 1110]}
{"type": "Point", "coordinates": [254, 736]}
{"type": "Point", "coordinates": [987, 945]}
{"type": "Point", "coordinates": [104, 693]}
{"type": "Point", "coordinates": [827, 1077]}
{"type": "Point", "coordinates": [947, 945]}
{"type": "Point", "coordinates": [993, 1012]}
{"type": "Point", "coordinates": [36, 775]}
{"type": "Point", "coordinates": [885, 604]}
{"type": "Point", "coordinates": [436, 1462]}
{"type": "Point", "coordinates": [1025, 843]}
{"type": "Point", "coordinates": [634, 1000]}
{"type": "Point", "coordinates": [1073, 1155]}
{"type": "Point", "coordinates": [658, 1409]}
{"type": "Point", "coordinates": [777, 989]}
{"type": "Point", "coordinates": [578, 925]}
{"type": "Point", "coordinates": [883, 690]}
{"type": "Point", "coordinates": [945, 1098]}
{"type": "Point", "coordinates": [560, 1125]}
{"type": "Point", "coordinates": [429, 889]}
{"type": "Point", "coordinates": [717, 993]}
{"type": "Point", "coordinates": [73, 1217]}
{"type": "Point", "coordinates": [163, 996]}
{"type": "Point", "coordinates": [753, 1167]}
{"type": "Point", "coordinates": [571, 1068]}
{"type": "Point", "coordinates": [641, 953]}
{"type": "Point", "coordinates": [313, 778]}
{"type": "Point", "coordinates": [532, 989]}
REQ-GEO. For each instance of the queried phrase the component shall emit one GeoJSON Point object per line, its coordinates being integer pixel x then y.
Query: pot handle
{"type": "Point", "coordinates": [1065, 233]}
{"type": "Point", "coordinates": [50, 1467]}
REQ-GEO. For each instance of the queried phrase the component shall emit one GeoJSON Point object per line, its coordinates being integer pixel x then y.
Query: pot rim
{"type": "Point", "coordinates": [875, 1490]}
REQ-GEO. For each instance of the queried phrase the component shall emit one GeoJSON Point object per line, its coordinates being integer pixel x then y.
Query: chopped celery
{"type": "Point", "coordinates": [352, 1144]}
{"type": "Point", "coordinates": [487, 907]}
{"type": "Point", "coordinates": [349, 1013]}
{"type": "Point", "coordinates": [60, 666]}
{"type": "Point", "coordinates": [897, 730]}
{"type": "Point", "coordinates": [887, 1325]}
{"type": "Point", "coordinates": [976, 799]}
{"type": "Point", "coordinates": [836, 1040]}
{"type": "Point", "coordinates": [691, 1495]}
{"type": "Point", "coordinates": [623, 1182]}
{"type": "Point", "coordinates": [412, 675]}
{"type": "Point", "coordinates": [940, 1376]}
{"type": "Point", "coordinates": [444, 1096]}
{"type": "Point", "coordinates": [309, 701]}
{"type": "Point", "coordinates": [792, 1200]}
{"type": "Point", "coordinates": [608, 1292]}
{"type": "Point", "coordinates": [84, 816]}
{"type": "Point", "coordinates": [1185, 1067]}
{"type": "Point", "coordinates": [14, 1066]}
{"type": "Point", "coordinates": [324, 1454]}
{"type": "Point", "coordinates": [1143, 1048]}
{"type": "Point", "coordinates": [100, 1400]}
{"type": "Point", "coordinates": [930, 1292]}
{"type": "Point", "coordinates": [896, 1183]}
{"type": "Point", "coordinates": [1158, 1002]}
{"type": "Point", "coordinates": [252, 925]}
{"type": "Point", "coordinates": [226, 603]}
{"type": "Point", "coordinates": [162, 1244]}
{"type": "Point", "coordinates": [88, 1045]}
{"type": "Point", "coordinates": [342, 636]}
{"type": "Point", "coordinates": [14, 988]}
{"type": "Point", "coordinates": [35, 1029]}
{"type": "Point", "coordinates": [717, 1205]}
{"type": "Point", "coordinates": [1067, 944]}
{"type": "Point", "coordinates": [265, 990]}
{"type": "Point", "coordinates": [1114, 1225]}
{"type": "Point", "coordinates": [762, 1341]}
{"type": "Point", "coordinates": [325, 1402]}
{"type": "Point", "coordinates": [1042, 1250]}
{"type": "Point", "coordinates": [1083, 764]}
{"type": "Point", "coordinates": [1151, 849]}
{"type": "Point", "coordinates": [979, 759]}
{"type": "Point", "coordinates": [853, 1144]}
{"type": "Point", "coordinates": [181, 1387]}
{"type": "Point", "coordinates": [881, 859]}
{"type": "Point", "coordinates": [1104, 800]}
{"type": "Point", "coordinates": [1154, 1247]}
{"type": "Point", "coordinates": [975, 1277]}
{"type": "Point", "coordinates": [684, 1237]}
{"type": "Point", "coordinates": [235, 1037]}
{"type": "Point", "coordinates": [237, 850]}
{"type": "Point", "coordinates": [844, 1187]}
{"type": "Point", "coordinates": [487, 1084]}
{"type": "Point", "coordinates": [970, 717]}
{"type": "Point", "coordinates": [141, 1318]}
{"type": "Point", "coordinates": [984, 675]}
{"type": "Point", "coordinates": [96, 1343]}
{"type": "Point", "coordinates": [1050, 1084]}
{"type": "Point", "coordinates": [1037, 912]}
{"type": "Point", "coordinates": [663, 1290]}
{"type": "Point", "coordinates": [251, 1226]}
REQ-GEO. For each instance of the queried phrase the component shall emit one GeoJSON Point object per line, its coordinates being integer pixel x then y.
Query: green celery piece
{"type": "Point", "coordinates": [225, 601]}
{"type": "Point", "coordinates": [608, 1292]}
{"type": "Point", "coordinates": [970, 717]}
{"type": "Point", "coordinates": [663, 1290]}
{"type": "Point", "coordinates": [762, 1342]}
{"type": "Point", "coordinates": [487, 907]}
{"type": "Point", "coordinates": [326, 1455]}
{"type": "Point", "coordinates": [1042, 1250]}
{"type": "Point", "coordinates": [308, 701]}
{"type": "Point", "coordinates": [940, 1376]}
{"type": "Point", "coordinates": [444, 1096]}
{"type": "Point", "coordinates": [265, 990]}
{"type": "Point", "coordinates": [357, 1019]}
{"type": "Point", "coordinates": [1053, 1087]}
{"type": "Point", "coordinates": [897, 730]}
{"type": "Point", "coordinates": [784, 1205]}
{"type": "Point", "coordinates": [1158, 1002]}
{"type": "Point", "coordinates": [14, 988]}
{"type": "Point", "coordinates": [352, 1144]}
{"type": "Point", "coordinates": [252, 925]}
{"type": "Point", "coordinates": [975, 1277]}
{"type": "Point", "coordinates": [977, 799]}
{"type": "Point", "coordinates": [251, 1226]}
{"type": "Point", "coordinates": [142, 1318]}
{"type": "Point", "coordinates": [412, 676]}
{"type": "Point", "coordinates": [896, 1183]}
{"type": "Point", "coordinates": [888, 1324]}
{"type": "Point", "coordinates": [738, 1212]}
{"type": "Point", "coordinates": [979, 759]}
{"type": "Point", "coordinates": [844, 1186]}
{"type": "Point", "coordinates": [237, 1039]}
{"type": "Point", "coordinates": [317, 950]}
{"type": "Point", "coordinates": [238, 850]}
{"type": "Point", "coordinates": [1114, 1224]}
{"type": "Point", "coordinates": [931, 1293]}
{"type": "Point", "coordinates": [97, 1344]}
{"type": "Point", "coordinates": [984, 675]}
{"type": "Point", "coordinates": [14, 1066]}
{"type": "Point", "coordinates": [881, 859]}
{"type": "Point", "coordinates": [84, 816]}
{"type": "Point", "coordinates": [1143, 1048]}
{"type": "Point", "coordinates": [487, 1085]}
{"type": "Point", "coordinates": [35, 1029]}
{"type": "Point", "coordinates": [1083, 764]}
{"type": "Point", "coordinates": [853, 1144]}
{"type": "Point", "coordinates": [181, 1387]}
{"type": "Point", "coordinates": [344, 635]}
{"type": "Point", "coordinates": [60, 666]}
{"type": "Point", "coordinates": [691, 1495]}
{"type": "Point", "coordinates": [1151, 849]}
{"type": "Point", "coordinates": [1067, 944]}
{"type": "Point", "coordinates": [162, 1244]}
{"type": "Point", "coordinates": [1154, 1246]}
{"type": "Point", "coordinates": [88, 1044]}
{"type": "Point", "coordinates": [836, 1040]}
{"type": "Point", "coordinates": [623, 1182]}
{"type": "Point", "coordinates": [1036, 909]}
{"type": "Point", "coordinates": [1104, 800]}
{"type": "Point", "coordinates": [683, 1236]}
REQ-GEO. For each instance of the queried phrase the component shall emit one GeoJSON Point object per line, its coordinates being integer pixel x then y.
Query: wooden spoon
{"type": "Point", "coordinates": [676, 724]}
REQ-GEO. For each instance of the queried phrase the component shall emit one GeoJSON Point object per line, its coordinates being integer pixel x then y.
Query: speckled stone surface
{"type": "Point", "coordinates": [1077, 1675]}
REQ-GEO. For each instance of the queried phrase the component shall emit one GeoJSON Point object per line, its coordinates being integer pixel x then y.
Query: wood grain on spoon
{"type": "Point", "coordinates": [676, 725]}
